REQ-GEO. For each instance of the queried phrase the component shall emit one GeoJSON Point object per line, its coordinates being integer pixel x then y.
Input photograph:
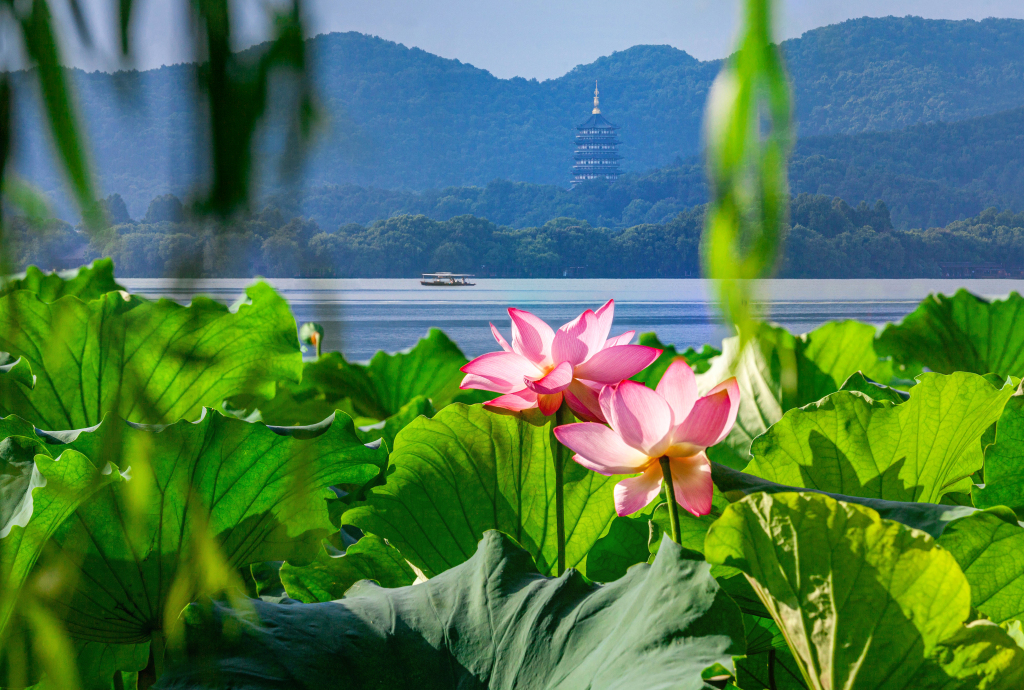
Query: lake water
{"type": "Point", "coordinates": [363, 316]}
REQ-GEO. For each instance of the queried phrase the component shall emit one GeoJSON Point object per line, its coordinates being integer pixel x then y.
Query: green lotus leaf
{"type": "Point", "coordinates": [151, 362]}
{"type": "Point", "coordinates": [775, 669]}
{"type": "Point", "coordinates": [260, 492]}
{"type": "Point", "coordinates": [732, 485]}
{"type": "Point", "coordinates": [874, 390]}
{"type": "Point", "coordinates": [431, 369]}
{"type": "Point", "coordinates": [86, 283]}
{"type": "Point", "coordinates": [330, 575]}
{"type": "Point", "coordinates": [492, 623]}
{"type": "Point", "coordinates": [960, 333]}
{"type": "Point", "coordinates": [98, 663]}
{"type": "Point", "coordinates": [763, 635]}
{"type": "Point", "coordinates": [389, 428]}
{"type": "Point", "coordinates": [16, 370]}
{"type": "Point", "coordinates": [989, 546]}
{"type": "Point", "coordinates": [979, 655]}
{"type": "Point", "coordinates": [622, 547]}
{"type": "Point", "coordinates": [381, 392]}
{"type": "Point", "coordinates": [698, 361]}
{"type": "Point", "coordinates": [931, 518]}
{"type": "Point", "coordinates": [39, 490]}
{"type": "Point", "coordinates": [780, 371]}
{"type": "Point", "coordinates": [469, 470]}
{"type": "Point", "coordinates": [1004, 461]}
{"type": "Point", "coordinates": [863, 602]}
{"type": "Point", "coordinates": [917, 451]}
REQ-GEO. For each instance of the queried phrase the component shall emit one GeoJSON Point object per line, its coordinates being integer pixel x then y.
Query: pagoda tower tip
{"type": "Point", "coordinates": [597, 103]}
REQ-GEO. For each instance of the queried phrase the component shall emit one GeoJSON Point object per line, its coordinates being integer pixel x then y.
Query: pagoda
{"type": "Point", "coordinates": [597, 155]}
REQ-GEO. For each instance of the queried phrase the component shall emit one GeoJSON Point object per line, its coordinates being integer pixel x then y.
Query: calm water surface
{"type": "Point", "coordinates": [363, 316]}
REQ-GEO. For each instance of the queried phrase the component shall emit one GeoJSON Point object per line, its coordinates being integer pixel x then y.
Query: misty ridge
{"type": "Point", "coordinates": [922, 116]}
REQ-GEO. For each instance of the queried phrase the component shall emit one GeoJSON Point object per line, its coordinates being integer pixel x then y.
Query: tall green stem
{"type": "Point", "coordinates": [560, 454]}
{"type": "Point", "coordinates": [670, 497]}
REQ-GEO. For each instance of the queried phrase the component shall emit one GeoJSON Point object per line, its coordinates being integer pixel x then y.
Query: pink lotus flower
{"type": "Point", "coordinates": [542, 366]}
{"type": "Point", "coordinates": [647, 425]}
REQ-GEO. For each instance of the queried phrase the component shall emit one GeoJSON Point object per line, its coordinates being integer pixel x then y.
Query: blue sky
{"type": "Point", "coordinates": [529, 38]}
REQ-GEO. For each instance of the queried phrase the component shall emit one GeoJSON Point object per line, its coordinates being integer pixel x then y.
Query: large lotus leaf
{"type": "Point", "coordinates": [98, 663]}
{"type": "Point", "coordinates": [260, 492]}
{"type": "Point", "coordinates": [492, 623]}
{"type": "Point", "coordinates": [376, 393]}
{"type": "Point", "coordinates": [1004, 461]}
{"type": "Point", "coordinates": [389, 428]}
{"type": "Point", "coordinates": [333, 571]}
{"type": "Point", "coordinates": [469, 470]}
{"type": "Point", "coordinates": [770, 670]}
{"type": "Point", "coordinates": [931, 518]}
{"type": "Point", "coordinates": [328, 384]}
{"type": "Point", "coordinates": [831, 353]}
{"type": "Point", "coordinates": [874, 390]}
{"type": "Point", "coordinates": [431, 369]}
{"type": "Point", "coordinates": [863, 602]}
{"type": "Point", "coordinates": [698, 361]}
{"type": "Point", "coordinates": [39, 490]}
{"type": "Point", "coordinates": [152, 362]}
{"type": "Point", "coordinates": [732, 485]}
{"type": "Point", "coordinates": [692, 530]}
{"type": "Point", "coordinates": [86, 283]}
{"type": "Point", "coordinates": [979, 655]}
{"type": "Point", "coordinates": [989, 546]}
{"type": "Point", "coordinates": [622, 547]}
{"type": "Point", "coordinates": [960, 333]}
{"type": "Point", "coordinates": [779, 371]}
{"type": "Point", "coordinates": [852, 445]}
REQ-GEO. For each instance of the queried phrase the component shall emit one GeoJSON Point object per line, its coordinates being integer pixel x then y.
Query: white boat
{"type": "Point", "coordinates": [447, 279]}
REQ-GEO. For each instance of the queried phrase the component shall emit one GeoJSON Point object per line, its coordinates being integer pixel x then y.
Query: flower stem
{"type": "Point", "coordinates": [560, 454]}
{"type": "Point", "coordinates": [670, 497]}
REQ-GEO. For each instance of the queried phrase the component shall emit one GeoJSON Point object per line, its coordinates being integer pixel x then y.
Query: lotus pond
{"type": "Point", "coordinates": [187, 503]}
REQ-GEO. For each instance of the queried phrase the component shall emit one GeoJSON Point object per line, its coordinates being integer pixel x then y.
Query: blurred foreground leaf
{"type": "Point", "coordinates": [747, 128]}
{"type": "Point", "coordinates": [154, 362]}
{"type": "Point", "coordinates": [251, 492]}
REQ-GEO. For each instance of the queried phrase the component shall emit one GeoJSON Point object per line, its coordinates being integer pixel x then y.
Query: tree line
{"type": "Point", "coordinates": [825, 238]}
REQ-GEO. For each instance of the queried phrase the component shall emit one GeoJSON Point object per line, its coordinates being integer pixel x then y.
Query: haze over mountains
{"type": "Point", "coordinates": [875, 99]}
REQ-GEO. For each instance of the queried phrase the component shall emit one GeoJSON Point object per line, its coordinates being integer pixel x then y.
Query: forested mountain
{"type": "Point", "coordinates": [928, 175]}
{"type": "Point", "coordinates": [402, 118]}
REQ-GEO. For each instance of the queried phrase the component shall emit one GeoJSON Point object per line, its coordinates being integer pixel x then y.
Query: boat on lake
{"type": "Point", "coordinates": [447, 279]}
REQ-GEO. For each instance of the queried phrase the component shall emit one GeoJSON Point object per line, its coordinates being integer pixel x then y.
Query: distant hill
{"type": "Point", "coordinates": [928, 175]}
{"type": "Point", "coordinates": [401, 118]}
